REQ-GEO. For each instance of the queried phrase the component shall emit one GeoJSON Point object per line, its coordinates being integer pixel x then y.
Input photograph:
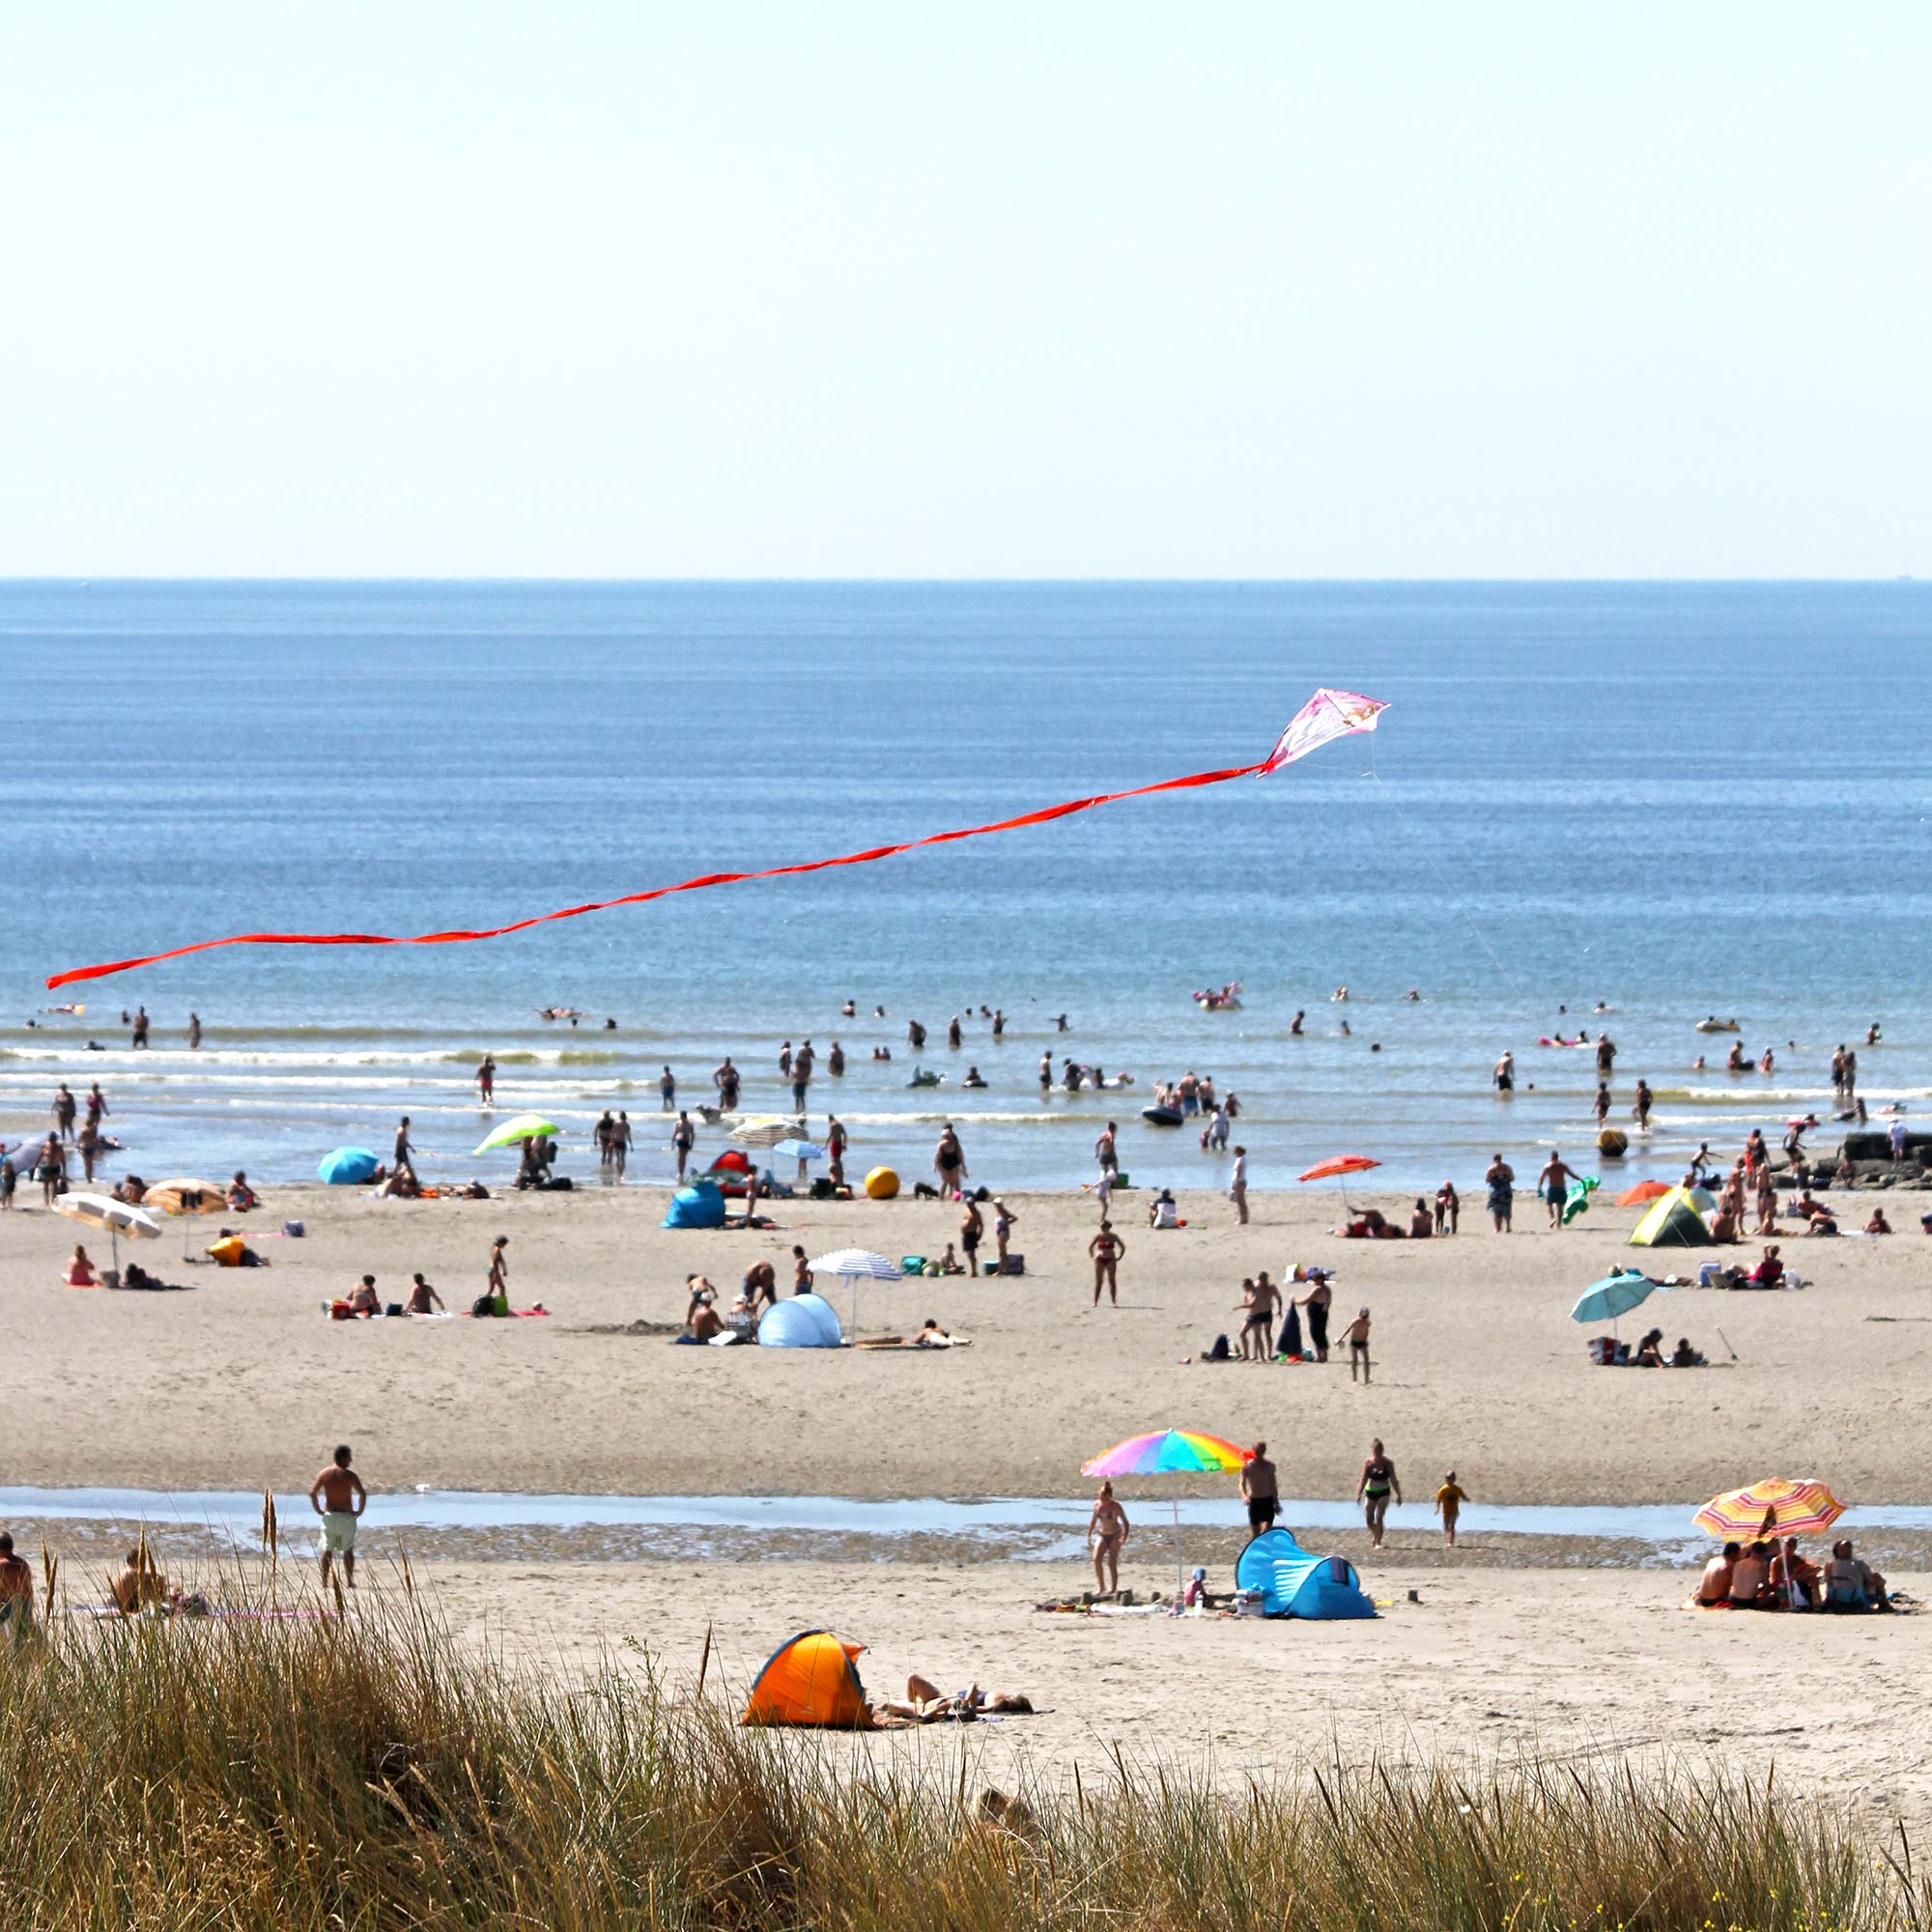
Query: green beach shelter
{"type": "Point", "coordinates": [1672, 1222]}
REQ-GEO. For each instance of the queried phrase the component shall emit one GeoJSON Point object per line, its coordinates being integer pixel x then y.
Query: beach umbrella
{"type": "Point", "coordinates": [766, 1130]}
{"type": "Point", "coordinates": [855, 1265]}
{"type": "Point", "coordinates": [187, 1198]}
{"type": "Point", "coordinates": [1615, 1294]}
{"type": "Point", "coordinates": [102, 1210]}
{"type": "Point", "coordinates": [524, 1128]}
{"type": "Point", "coordinates": [1643, 1193]}
{"type": "Point", "coordinates": [1336, 1167]}
{"type": "Point", "coordinates": [347, 1166]}
{"type": "Point", "coordinates": [1778, 1506]}
{"type": "Point", "coordinates": [1169, 1452]}
{"type": "Point", "coordinates": [794, 1148]}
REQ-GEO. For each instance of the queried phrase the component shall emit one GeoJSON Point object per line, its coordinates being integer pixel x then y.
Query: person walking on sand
{"type": "Point", "coordinates": [1106, 1248]}
{"type": "Point", "coordinates": [1237, 1185]}
{"type": "Point", "coordinates": [486, 1082]}
{"type": "Point", "coordinates": [337, 1497]}
{"type": "Point", "coordinates": [1357, 1335]}
{"type": "Point", "coordinates": [683, 1138]}
{"type": "Point", "coordinates": [1260, 1490]}
{"type": "Point", "coordinates": [1378, 1480]}
{"type": "Point", "coordinates": [1553, 1182]}
{"type": "Point", "coordinates": [1449, 1501]}
{"type": "Point", "coordinates": [1107, 1533]}
{"type": "Point", "coordinates": [405, 1146]}
{"type": "Point", "coordinates": [499, 1275]}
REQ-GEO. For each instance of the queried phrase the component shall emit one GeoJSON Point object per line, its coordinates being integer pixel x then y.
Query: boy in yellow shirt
{"type": "Point", "coordinates": [1449, 1501]}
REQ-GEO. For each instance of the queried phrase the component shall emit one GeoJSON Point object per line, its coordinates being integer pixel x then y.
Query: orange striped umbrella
{"type": "Point", "coordinates": [1778, 1506]}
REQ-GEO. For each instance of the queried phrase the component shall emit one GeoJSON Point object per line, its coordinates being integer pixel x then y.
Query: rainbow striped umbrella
{"type": "Point", "coordinates": [1167, 1452]}
{"type": "Point", "coordinates": [1775, 1507]}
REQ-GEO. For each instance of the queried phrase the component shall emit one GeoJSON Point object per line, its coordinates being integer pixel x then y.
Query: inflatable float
{"type": "Point", "coordinates": [1715, 1025]}
{"type": "Point", "coordinates": [1582, 1039]}
{"type": "Point", "coordinates": [1161, 1117]}
{"type": "Point", "coordinates": [1228, 998]}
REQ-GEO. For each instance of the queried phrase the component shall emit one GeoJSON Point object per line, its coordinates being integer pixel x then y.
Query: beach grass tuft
{"type": "Point", "coordinates": [369, 1772]}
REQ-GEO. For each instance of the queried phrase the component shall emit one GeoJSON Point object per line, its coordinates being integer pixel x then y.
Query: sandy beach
{"type": "Point", "coordinates": [242, 1382]}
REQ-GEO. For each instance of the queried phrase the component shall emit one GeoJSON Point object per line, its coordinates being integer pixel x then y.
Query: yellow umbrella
{"type": "Point", "coordinates": [186, 1199]}
{"type": "Point", "coordinates": [1778, 1506]}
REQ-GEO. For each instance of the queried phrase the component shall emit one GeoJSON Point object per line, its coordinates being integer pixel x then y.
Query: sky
{"type": "Point", "coordinates": [981, 290]}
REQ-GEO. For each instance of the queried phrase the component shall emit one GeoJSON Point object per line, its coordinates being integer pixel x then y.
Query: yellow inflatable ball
{"type": "Point", "coordinates": [882, 1184]}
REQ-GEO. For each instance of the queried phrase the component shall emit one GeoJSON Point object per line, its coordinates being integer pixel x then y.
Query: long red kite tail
{"type": "Point", "coordinates": [1328, 714]}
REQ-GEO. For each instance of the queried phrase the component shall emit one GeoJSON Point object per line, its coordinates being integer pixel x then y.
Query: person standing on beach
{"type": "Point", "coordinates": [87, 1144]}
{"type": "Point", "coordinates": [1005, 1221]}
{"type": "Point", "coordinates": [683, 1138]}
{"type": "Point", "coordinates": [1107, 1533]}
{"type": "Point", "coordinates": [972, 1224]}
{"type": "Point", "coordinates": [1449, 1501]}
{"type": "Point", "coordinates": [1319, 1295]}
{"type": "Point", "coordinates": [1553, 1182]}
{"type": "Point", "coordinates": [63, 1111]}
{"type": "Point", "coordinates": [724, 1077]}
{"type": "Point", "coordinates": [949, 1162]}
{"type": "Point", "coordinates": [405, 1146]}
{"type": "Point", "coordinates": [1237, 1185]}
{"type": "Point", "coordinates": [1260, 1490]}
{"type": "Point", "coordinates": [499, 1286]}
{"type": "Point", "coordinates": [337, 1497]}
{"type": "Point", "coordinates": [1106, 1248]}
{"type": "Point", "coordinates": [600, 1133]}
{"type": "Point", "coordinates": [834, 1150]}
{"type": "Point", "coordinates": [1378, 1480]}
{"type": "Point", "coordinates": [486, 1082]}
{"type": "Point", "coordinates": [1357, 1335]}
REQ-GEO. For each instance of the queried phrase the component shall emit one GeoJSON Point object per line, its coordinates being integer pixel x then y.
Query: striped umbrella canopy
{"type": "Point", "coordinates": [1167, 1452]}
{"type": "Point", "coordinates": [1778, 1506]}
{"type": "Point", "coordinates": [765, 1130]}
{"type": "Point", "coordinates": [856, 1265]}
{"type": "Point", "coordinates": [186, 1197]}
{"type": "Point", "coordinates": [102, 1210]}
{"type": "Point", "coordinates": [1339, 1164]}
{"type": "Point", "coordinates": [1644, 1192]}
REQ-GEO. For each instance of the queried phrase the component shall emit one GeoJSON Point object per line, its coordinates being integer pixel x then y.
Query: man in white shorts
{"type": "Point", "coordinates": [338, 1497]}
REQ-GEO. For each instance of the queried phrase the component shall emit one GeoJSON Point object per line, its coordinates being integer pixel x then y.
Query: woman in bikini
{"type": "Point", "coordinates": [1107, 1531]}
{"type": "Point", "coordinates": [1378, 1480]}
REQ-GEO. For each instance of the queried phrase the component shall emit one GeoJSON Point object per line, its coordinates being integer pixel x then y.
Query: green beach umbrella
{"type": "Point", "coordinates": [524, 1128]}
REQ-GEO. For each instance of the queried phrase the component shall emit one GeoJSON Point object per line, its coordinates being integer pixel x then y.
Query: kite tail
{"type": "Point", "coordinates": [1328, 715]}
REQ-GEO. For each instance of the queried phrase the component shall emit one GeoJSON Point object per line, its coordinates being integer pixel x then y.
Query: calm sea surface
{"type": "Point", "coordinates": [1677, 800]}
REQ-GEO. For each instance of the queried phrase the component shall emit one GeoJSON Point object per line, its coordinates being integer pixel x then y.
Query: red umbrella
{"type": "Point", "coordinates": [1339, 1165]}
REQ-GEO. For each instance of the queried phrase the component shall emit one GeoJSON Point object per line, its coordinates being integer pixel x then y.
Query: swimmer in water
{"type": "Point", "coordinates": [1295, 1025]}
{"type": "Point", "coordinates": [1345, 1030]}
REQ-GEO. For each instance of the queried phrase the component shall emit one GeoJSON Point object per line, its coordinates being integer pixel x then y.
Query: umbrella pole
{"type": "Point", "coordinates": [1179, 1587]}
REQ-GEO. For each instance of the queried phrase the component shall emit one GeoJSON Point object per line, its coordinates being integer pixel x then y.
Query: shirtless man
{"type": "Point", "coordinates": [16, 1591]}
{"type": "Point", "coordinates": [1106, 1248]}
{"type": "Point", "coordinates": [724, 1077]}
{"type": "Point", "coordinates": [1357, 1335]}
{"type": "Point", "coordinates": [683, 1138]}
{"type": "Point", "coordinates": [337, 1497]}
{"type": "Point", "coordinates": [1260, 1490]}
{"type": "Point", "coordinates": [1104, 1151]}
{"type": "Point", "coordinates": [405, 1146]}
{"type": "Point", "coordinates": [1553, 1181]}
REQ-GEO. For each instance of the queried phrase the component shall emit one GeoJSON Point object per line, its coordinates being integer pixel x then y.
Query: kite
{"type": "Point", "coordinates": [1327, 715]}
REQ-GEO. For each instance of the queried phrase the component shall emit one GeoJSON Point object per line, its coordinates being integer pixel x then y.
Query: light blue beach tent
{"type": "Point", "coordinates": [1295, 1584]}
{"type": "Point", "coordinates": [804, 1321]}
{"type": "Point", "coordinates": [699, 1206]}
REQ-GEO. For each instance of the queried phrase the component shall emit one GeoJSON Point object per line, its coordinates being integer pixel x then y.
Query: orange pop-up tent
{"type": "Point", "coordinates": [809, 1679]}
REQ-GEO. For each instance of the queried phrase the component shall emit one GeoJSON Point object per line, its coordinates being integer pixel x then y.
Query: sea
{"type": "Point", "coordinates": [1671, 800]}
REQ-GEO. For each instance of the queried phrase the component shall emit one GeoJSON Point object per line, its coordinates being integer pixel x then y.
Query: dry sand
{"type": "Point", "coordinates": [242, 1382]}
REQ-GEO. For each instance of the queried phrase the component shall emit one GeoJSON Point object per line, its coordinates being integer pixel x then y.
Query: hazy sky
{"type": "Point", "coordinates": [901, 290]}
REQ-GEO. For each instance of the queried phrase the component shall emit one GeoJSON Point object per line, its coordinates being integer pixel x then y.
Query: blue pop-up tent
{"type": "Point", "coordinates": [803, 1322]}
{"type": "Point", "coordinates": [698, 1206]}
{"type": "Point", "coordinates": [1295, 1584]}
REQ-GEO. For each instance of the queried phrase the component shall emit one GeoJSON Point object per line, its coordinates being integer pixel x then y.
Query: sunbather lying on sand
{"type": "Point", "coordinates": [924, 1704]}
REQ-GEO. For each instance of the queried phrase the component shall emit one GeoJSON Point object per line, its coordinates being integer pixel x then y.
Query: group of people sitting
{"type": "Point", "coordinates": [1647, 1354]}
{"type": "Point", "coordinates": [363, 1302]}
{"type": "Point", "coordinates": [1425, 1221]}
{"type": "Point", "coordinates": [1773, 1576]}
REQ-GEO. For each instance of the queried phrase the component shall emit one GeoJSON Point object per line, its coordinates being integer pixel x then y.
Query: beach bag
{"type": "Point", "coordinates": [484, 1304]}
{"type": "Point", "coordinates": [1220, 1352]}
{"type": "Point", "coordinates": [293, 1229]}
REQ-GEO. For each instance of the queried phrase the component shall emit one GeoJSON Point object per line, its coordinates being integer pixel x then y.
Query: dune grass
{"type": "Point", "coordinates": [370, 1772]}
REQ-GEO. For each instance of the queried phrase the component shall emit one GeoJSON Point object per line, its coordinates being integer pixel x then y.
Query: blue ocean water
{"type": "Point", "coordinates": [1673, 799]}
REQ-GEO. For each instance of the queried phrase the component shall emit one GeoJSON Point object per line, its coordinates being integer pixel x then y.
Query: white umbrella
{"type": "Point", "coordinates": [794, 1148]}
{"type": "Point", "coordinates": [766, 1130]}
{"type": "Point", "coordinates": [856, 1265]}
{"type": "Point", "coordinates": [118, 1217]}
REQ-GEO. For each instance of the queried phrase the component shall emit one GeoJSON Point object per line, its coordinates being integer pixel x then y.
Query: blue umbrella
{"type": "Point", "coordinates": [346, 1166]}
{"type": "Point", "coordinates": [1615, 1294]}
{"type": "Point", "coordinates": [795, 1148]}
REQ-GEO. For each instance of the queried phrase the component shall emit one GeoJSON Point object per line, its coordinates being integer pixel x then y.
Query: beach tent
{"type": "Point", "coordinates": [809, 1679]}
{"type": "Point", "coordinates": [1673, 1222]}
{"type": "Point", "coordinates": [804, 1321]}
{"type": "Point", "coordinates": [698, 1206]}
{"type": "Point", "coordinates": [1295, 1584]}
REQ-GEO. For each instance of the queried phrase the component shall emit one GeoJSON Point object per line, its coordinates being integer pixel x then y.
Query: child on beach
{"type": "Point", "coordinates": [1449, 1501]}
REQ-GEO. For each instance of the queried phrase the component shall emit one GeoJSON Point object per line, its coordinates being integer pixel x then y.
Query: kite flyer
{"type": "Point", "coordinates": [338, 1497]}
